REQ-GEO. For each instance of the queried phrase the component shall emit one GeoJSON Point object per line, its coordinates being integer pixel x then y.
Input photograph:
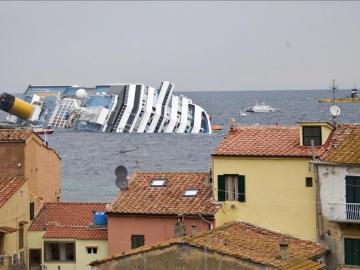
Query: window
{"type": "Point", "coordinates": [59, 251]}
{"type": "Point", "coordinates": [231, 188]}
{"type": "Point", "coordinates": [137, 241]}
{"type": "Point", "coordinates": [158, 182]}
{"type": "Point", "coordinates": [352, 251]}
{"type": "Point", "coordinates": [191, 192]}
{"type": "Point", "coordinates": [32, 210]}
{"type": "Point", "coordinates": [308, 182]}
{"type": "Point", "coordinates": [311, 133]}
{"type": "Point", "coordinates": [352, 196]}
{"type": "Point", "coordinates": [21, 235]}
{"type": "Point", "coordinates": [91, 250]}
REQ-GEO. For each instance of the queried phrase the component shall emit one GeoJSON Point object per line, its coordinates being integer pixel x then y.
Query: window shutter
{"type": "Point", "coordinates": [133, 242]}
{"type": "Point", "coordinates": [221, 188]}
{"type": "Point", "coordinates": [32, 210]}
{"type": "Point", "coordinates": [137, 241]}
{"type": "Point", "coordinates": [352, 251]}
{"type": "Point", "coordinates": [241, 188]}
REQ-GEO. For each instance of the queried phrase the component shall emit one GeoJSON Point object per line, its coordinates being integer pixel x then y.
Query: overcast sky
{"type": "Point", "coordinates": [197, 45]}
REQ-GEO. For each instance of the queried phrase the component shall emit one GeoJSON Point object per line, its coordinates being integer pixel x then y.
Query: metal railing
{"type": "Point", "coordinates": [342, 212]}
{"type": "Point", "coordinates": [12, 262]}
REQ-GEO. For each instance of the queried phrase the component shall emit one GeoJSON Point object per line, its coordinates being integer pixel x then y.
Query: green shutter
{"type": "Point", "coordinates": [137, 241]}
{"type": "Point", "coordinates": [241, 188]}
{"type": "Point", "coordinates": [221, 188]}
{"type": "Point", "coordinates": [352, 251]}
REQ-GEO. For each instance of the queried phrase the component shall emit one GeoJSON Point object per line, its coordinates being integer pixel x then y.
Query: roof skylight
{"type": "Point", "coordinates": [191, 192]}
{"type": "Point", "coordinates": [157, 182]}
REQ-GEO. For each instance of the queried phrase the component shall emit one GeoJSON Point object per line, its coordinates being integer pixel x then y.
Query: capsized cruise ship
{"type": "Point", "coordinates": [121, 108]}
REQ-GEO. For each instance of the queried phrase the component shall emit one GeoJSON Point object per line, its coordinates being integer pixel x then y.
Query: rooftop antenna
{"type": "Point", "coordinates": [334, 109]}
{"type": "Point", "coordinates": [333, 92]}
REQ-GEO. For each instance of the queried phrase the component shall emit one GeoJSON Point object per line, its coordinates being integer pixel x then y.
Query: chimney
{"type": "Point", "coordinates": [193, 230]}
{"type": "Point", "coordinates": [208, 179]}
{"type": "Point", "coordinates": [284, 250]}
{"type": "Point", "coordinates": [180, 227]}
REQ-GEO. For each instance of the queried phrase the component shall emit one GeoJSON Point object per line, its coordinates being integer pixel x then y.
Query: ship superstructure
{"type": "Point", "coordinates": [120, 108]}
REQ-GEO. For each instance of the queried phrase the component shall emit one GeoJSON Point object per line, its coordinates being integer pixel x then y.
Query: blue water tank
{"type": "Point", "coordinates": [100, 218]}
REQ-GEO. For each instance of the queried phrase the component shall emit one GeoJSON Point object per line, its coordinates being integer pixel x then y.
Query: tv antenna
{"type": "Point", "coordinates": [333, 88]}
{"type": "Point", "coordinates": [121, 177]}
{"type": "Point", "coordinates": [334, 109]}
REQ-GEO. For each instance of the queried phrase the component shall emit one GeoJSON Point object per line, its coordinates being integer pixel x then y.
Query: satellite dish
{"type": "Point", "coordinates": [335, 110]}
{"type": "Point", "coordinates": [121, 171]}
{"type": "Point", "coordinates": [121, 177]}
{"type": "Point", "coordinates": [81, 94]}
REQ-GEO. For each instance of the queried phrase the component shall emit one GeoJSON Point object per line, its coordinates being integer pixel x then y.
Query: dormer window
{"type": "Point", "coordinates": [312, 133]}
{"type": "Point", "coordinates": [157, 182]}
{"type": "Point", "coordinates": [191, 192]}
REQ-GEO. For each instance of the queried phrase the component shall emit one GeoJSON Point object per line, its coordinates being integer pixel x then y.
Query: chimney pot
{"type": "Point", "coordinates": [180, 227]}
{"type": "Point", "coordinates": [284, 250]}
{"type": "Point", "coordinates": [193, 230]}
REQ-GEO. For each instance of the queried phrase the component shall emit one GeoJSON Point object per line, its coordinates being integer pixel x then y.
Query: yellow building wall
{"type": "Point", "coordinates": [83, 259]}
{"type": "Point", "coordinates": [15, 210]}
{"type": "Point", "coordinates": [35, 240]}
{"type": "Point", "coordinates": [276, 196]}
{"type": "Point", "coordinates": [43, 169]}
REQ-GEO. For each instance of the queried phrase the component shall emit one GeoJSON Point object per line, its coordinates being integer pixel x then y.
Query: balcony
{"type": "Point", "coordinates": [16, 261]}
{"type": "Point", "coordinates": [342, 212]}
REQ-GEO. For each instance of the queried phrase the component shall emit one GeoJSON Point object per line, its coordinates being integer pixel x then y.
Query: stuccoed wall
{"type": "Point", "coordinates": [83, 258]}
{"type": "Point", "coordinates": [276, 195]}
{"type": "Point", "coordinates": [178, 257]}
{"type": "Point", "coordinates": [333, 190]}
{"type": "Point", "coordinates": [12, 212]}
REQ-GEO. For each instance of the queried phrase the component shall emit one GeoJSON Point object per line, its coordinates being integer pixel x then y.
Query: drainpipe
{"type": "Point", "coordinates": [319, 225]}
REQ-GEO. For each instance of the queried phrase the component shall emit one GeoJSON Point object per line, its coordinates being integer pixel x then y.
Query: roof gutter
{"type": "Point", "coordinates": [263, 156]}
{"type": "Point", "coordinates": [332, 163]}
{"type": "Point", "coordinates": [208, 216]}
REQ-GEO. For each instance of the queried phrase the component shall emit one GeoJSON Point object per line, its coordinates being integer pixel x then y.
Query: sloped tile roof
{"type": "Point", "coordinates": [69, 220]}
{"type": "Point", "coordinates": [243, 241]}
{"type": "Point", "coordinates": [76, 233]}
{"type": "Point", "coordinates": [8, 186]}
{"type": "Point", "coordinates": [142, 198]}
{"type": "Point", "coordinates": [265, 141]}
{"type": "Point", "coordinates": [15, 135]}
{"type": "Point", "coordinates": [344, 145]}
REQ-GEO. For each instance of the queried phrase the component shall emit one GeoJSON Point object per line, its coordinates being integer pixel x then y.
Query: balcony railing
{"type": "Point", "coordinates": [12, 262]}
{"type": "Point", "coordinates": [342, 212]}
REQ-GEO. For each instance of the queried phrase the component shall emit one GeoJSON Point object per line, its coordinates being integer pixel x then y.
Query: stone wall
{"type": "Point", "coordinates": [178, 257]}
{"type": "Point", "coordinates": [333, 238]}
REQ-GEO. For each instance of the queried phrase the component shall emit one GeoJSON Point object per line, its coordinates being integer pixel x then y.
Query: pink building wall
{"type": "Point", "coordinates": [154, 228]}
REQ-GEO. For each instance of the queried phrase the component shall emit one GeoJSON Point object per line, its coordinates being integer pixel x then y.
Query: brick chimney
{"type": "Point", "coordinates": [193, 230]}
{"type": "Point", "coordinates": [284, 249]}
{"type": "Point", "coordinates": [180, 227]}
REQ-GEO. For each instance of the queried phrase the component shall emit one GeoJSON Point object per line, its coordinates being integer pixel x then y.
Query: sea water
{"type": "Point", "coordinates": [89, 159]}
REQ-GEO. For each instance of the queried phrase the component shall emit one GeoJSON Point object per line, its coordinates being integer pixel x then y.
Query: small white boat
{"type": "Point", "coordinates": [43, 130]}
{"type": "Point", "coordinates": [261, 108]}
{"type": "Point", "coordinates": [242, 114]}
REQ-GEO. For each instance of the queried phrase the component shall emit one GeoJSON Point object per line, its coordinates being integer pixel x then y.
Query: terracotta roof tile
{"type": "Point", "coordinates": [8, 186]}
{"type": "Point", "coordinates": [244, 241]}
{"type": "Point", "coordinates": [69, 220]}
{"type": "Point", "coordinates": [344, 145]}
{"type": "Point", "coordinates": [141, 198]}
{"type": "Point", "coordinates": [15, 135]}
{"type": "Point", "coordinates": [80, 233]}
{"type": "Point", "coordinates": [272, 140]}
